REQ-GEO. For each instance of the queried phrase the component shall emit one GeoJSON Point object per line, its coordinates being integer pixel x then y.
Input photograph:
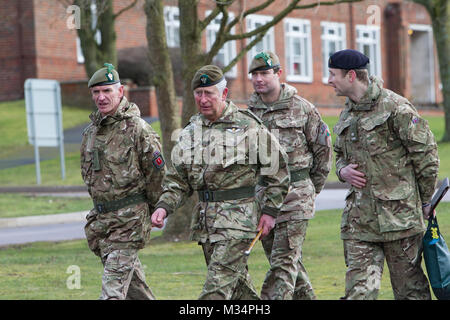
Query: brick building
{"type": "Point", "coordinates": [35, 42]}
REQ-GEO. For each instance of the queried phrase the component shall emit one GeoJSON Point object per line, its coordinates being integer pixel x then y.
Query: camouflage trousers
{"type": "Point", "coordinates": [227, 277]}
{"type": "Point", "coordinates": [287, 277]}
{"type": "Point", "coordinates": [123, 277]}
{"type": "Point", "coordinates": [365, 261]}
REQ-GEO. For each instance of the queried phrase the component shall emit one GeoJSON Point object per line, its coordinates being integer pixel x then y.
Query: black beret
{"type": "Point", "coordinates": [348, 59]}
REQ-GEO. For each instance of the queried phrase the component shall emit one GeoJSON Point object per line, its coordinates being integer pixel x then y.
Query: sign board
{"type": "Point", "coordinates": [44, 117]}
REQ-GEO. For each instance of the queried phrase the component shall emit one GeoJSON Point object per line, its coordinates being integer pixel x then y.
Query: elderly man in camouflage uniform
{"type": "Point", "coordinates": [388, 155]}
{"type": "Point", "coordinates": [122, 166]}
{"type": "Point", "coordinates": [306, 140]}
{"type": "Point", "coordinates": [219, 156]}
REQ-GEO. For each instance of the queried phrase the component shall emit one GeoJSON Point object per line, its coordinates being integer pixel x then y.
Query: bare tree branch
{"type": "Point", "coordinates": [325, 3]}
{"type": "Point", "coordinates": [248, 12]}
{"type": "Point", "coordinates": [131, 5]}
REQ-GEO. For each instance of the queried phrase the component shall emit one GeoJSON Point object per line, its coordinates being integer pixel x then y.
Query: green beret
{"type": "Point", "coordinates": [264, 61]}
{"type": "Point", "coordinates": [104, 76]}
{"type": "Point", "coordinates": [207, 76]}
{"type": "Point", "coordinates": [348, 59]}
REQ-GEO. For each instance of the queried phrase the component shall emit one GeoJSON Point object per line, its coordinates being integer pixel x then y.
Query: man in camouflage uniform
{"type": "Point", "coordinates": [122, 166]}
{"type": "Point", "coordinates": [306, 140]}
{"type": "Point", "coordinates": [388, 155]}
{"type": "Point", "coordinates": [221, 154]}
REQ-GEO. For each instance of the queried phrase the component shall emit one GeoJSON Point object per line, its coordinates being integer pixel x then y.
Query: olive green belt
{"type": "Point", "coordinates": [223, 195]}
{"type": "Point", "coordinates": [103, 207]}
{"type": "Point", "coordinates": [296, 175]}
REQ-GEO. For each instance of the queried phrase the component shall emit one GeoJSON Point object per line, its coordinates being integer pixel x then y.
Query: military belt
{"type": "Point", "coordinates": [223, 195]}
{"type": "Point", "coordinates": [296, 175]}
{"type": "Point", "coordinates": [104, 207]}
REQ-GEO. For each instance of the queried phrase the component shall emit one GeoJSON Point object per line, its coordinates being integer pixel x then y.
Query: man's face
{"type": "Point", "coordinates": [210, 102]}
{"type": "Point", "coordinates": [107, 98]}
{"type": "Point", "coordinates": [266, 81]}
{"type": "Point", "coordinates": [339, 81]}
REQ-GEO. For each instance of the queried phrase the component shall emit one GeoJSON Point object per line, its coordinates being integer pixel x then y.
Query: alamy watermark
{"type": "Point", "coordinates": [227, 147]}
{"type": "Point", "coordinates": [73, 21]}
{"type": "Point", "coordinates": [74, 280]}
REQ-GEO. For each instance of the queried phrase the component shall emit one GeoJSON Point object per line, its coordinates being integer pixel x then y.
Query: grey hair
{"type": "Point", "coordinates": [221, 85]}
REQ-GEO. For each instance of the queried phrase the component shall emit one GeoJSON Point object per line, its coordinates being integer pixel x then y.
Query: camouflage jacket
{"type": "Point", "coordinates": [229, 153]}
{"type": "Point", "coordinates": [307, 142]}
{"type": "Point", "coordinates": [388, 140]}
{"type": "Point", "coordinates": [121, 156]}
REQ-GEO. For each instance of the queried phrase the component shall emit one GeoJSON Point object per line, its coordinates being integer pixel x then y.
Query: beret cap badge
{"type": "Point", "coordinates": [204, 78]}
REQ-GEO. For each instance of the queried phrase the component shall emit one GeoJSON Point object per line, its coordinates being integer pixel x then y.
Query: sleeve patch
{"type": "Point", "coordinates": [324, 135]}
{"type": "Point", "coordinates": [158, 160]}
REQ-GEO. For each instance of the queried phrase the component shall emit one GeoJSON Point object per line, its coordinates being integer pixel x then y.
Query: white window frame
{"type": "Point", "coordinates": [253, 21]}
{"type": "Point", "coordinates": [373, 41]}
{"type": "Point", "coordinates": [340, 42]}
{"type": "Point", "coordinates": [305, 59]}
{"type": "Point", "coordinates": [429, 29]}
{"type": "Point", "coordinates": [229, 48]}
{"type": "Point", "coordinates": [80, 56]}
{"type": "Point", "coordinates": [172, 25]}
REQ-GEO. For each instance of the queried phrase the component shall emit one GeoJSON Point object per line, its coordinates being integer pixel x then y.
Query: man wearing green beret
{"type": "Point", "coordinates": [306, 140]}
{"type": "Point", "coordinates": [388, 155]}
{"type": "Point", "coordinates": [123, 167]}
{"type": "Point", "coordinates": [220, 155]}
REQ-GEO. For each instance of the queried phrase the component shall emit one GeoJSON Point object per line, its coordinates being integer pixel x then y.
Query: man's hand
{"type": "Point", "coordinates": [158, 217]}
{"type": "Point", "coordinates": [266, 223]}
{"type": "Point", "coordinates": [352, 176]}
{"type": "Point", "coordinates": [426, 212]}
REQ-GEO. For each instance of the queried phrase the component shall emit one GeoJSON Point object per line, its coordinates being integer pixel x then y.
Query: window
{"type": "Point", "coordinates": [80, 56]}
{"type": "Point", "coordinates": [172, 20]}
{"type": "Point", "coordinates": [368, 42]}
{"type": "Point", "coordinates": [228, 51]}
{"type": "Point", "coordinates": [266, 43]}
{"type": "Point", "coordinates": [333, 39]}
{"type": "Point", "coordinates": [298, 50]}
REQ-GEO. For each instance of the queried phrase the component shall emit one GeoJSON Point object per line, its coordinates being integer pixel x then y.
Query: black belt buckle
{"type": "Point", "coordinates": [100, 208]}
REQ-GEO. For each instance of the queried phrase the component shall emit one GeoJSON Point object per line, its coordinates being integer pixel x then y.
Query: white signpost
{"type": "Point", "coordinates": [44, 118]}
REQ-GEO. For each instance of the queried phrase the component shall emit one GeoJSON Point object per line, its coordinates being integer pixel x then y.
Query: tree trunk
{"type": "Point", "coordinates": [190, 43]}
{"type": "Point", "coordinates": [161, 73]}
{"type": "Point", "coordinates": [440, 16]}
{"type": "Point", "coordinates": [107, 48]}
{"type": "Point", "coordinates": [162, 78]}
{"type": "Point", "coordinates": [87, 38]}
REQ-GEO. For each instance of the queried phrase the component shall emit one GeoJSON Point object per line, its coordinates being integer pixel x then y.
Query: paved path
{"type": "Point", "coordinates": [70, 226]}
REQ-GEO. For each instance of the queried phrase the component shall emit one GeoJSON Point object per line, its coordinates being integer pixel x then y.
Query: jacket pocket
{"type": "Point", "coordinates": [124, 167]}
{"type": "Point", "coordinates": [376, 132]}
{"type": "Point", "coordinates": [291, 136]}
{"type": "Point", "coordinates": [397, 203]}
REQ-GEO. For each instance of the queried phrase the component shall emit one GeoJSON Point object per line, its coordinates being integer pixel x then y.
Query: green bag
{"type": "Point", "coordinates": [437, 260]}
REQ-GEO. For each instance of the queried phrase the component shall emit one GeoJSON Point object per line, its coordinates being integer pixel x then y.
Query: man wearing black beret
{"type": "Point", "coordinates": [388, 155]}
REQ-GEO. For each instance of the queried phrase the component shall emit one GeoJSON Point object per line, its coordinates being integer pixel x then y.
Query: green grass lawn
{"type": "Point", "coordinates": [174, 270]}
{"type": "Point", "coordinates": [18, 205]}
{"type": "Point", "coordinates": [13, 124]}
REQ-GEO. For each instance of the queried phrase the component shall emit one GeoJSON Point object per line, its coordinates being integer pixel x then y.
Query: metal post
{"type": "Point", "coordinates": [60, 131]}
